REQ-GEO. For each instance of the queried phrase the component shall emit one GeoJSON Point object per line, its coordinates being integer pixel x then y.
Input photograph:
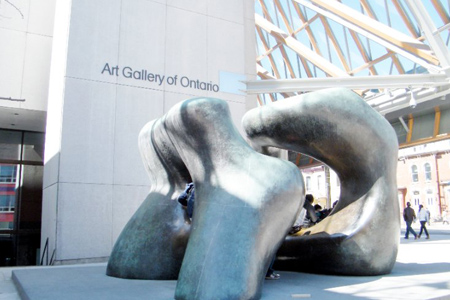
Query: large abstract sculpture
{"type": "Point", "coordinates": [335, 126]}
{"type": "Point", "coordinates": [246, 202]}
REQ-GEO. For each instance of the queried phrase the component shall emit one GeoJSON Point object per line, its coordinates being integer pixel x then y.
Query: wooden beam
{"type": "Point", "coordinates": [335, 43]}
{"type": "Point", "coordinates": [406, 20]}
{"type": "Point", "coordinates": [372, 63]}
{"type": "Point", "coordinates": [264, 74]}
{"type": "Point", "coordinates": [368, 9]}
{"type": "Point", "coordinates": [441, 11]}
{"type": "Point", "coordinates": [287, 61]}
{"type": "Point", "coordinates": [299, 48]}
{"type": "Point", "coordinates": [283, 16]}
{"type": "Point", "coordinates": [260, 102]}
{"type": "Point", "coordinates": [266, 47]}
{"type": "Point", "coordinates": [425, 141]}
{"type": "Point", "coordinates": [437, 121]}
{"type": "Point", "coordinates": [382, 31]}
{"type": "Point", "coordinates": [309, 32]}
{"type": "Point", "coordinates": [410, 129]}
{"type": "Point", "coordinates": [362, 50]}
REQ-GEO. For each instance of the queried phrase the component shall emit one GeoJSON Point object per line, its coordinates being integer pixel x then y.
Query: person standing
{"type": "Point", "coordinates": [423, 219]}
{"type": "Point", "coordinates": [445, 218]}
{"type": "Point", "coordinates": [409, 215]}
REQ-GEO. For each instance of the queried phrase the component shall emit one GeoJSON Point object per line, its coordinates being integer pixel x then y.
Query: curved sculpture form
{"type": "Point", "coordinates": [153, 242]}
{"type": "Point", "coordinates": [245, 204]}
{"type": "Point", "coordinates": [335, 126]}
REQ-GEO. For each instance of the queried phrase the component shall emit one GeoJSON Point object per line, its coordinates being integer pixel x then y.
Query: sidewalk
{"type": "Point", "coordinates": [422, 271]}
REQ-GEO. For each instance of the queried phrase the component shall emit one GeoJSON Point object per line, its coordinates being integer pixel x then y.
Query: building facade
{"type": "Point", "coordinates": [423, 177]}
{"type": "Point", "coordinates": [87, 76]}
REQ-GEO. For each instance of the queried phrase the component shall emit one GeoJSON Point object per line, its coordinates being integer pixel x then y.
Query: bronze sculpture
{"type": "Point", "coordinates": [246, 201]}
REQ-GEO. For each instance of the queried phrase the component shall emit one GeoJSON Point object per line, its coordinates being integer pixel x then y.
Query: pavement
{"type": "Point", "coordinates": [422, 271]}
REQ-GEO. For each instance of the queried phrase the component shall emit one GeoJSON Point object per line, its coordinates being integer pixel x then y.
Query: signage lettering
{"type": "Point", "coordinates": [145, 75]}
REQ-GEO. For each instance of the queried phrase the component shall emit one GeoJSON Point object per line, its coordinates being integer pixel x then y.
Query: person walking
{"type": "Point", "coordinates": [409, 215]}
{"type": "Point", "coordinates": [423, 219]}
{"type": "Point", "coordinates": [446, 218]}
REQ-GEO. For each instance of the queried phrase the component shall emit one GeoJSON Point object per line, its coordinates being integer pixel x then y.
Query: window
{"type": "Point", "coordinates": [8, 173]}
{"type": "Point", "coordinates": [308, 183]}
{"type": "Point", "coordinates": [7, 202]}
{"type": "Point", "coordinates": [430, 198]}
{"type": "Point", "coordinates": [415, 174]}
{"type": "Point", "coordinates": [8, 195]}
{"type": "Point", "coordinates": [427, 172]}
{"type": "Point", "coordinates": [21, 174]}
{"type": "Point", "coordinates": [416, 198]}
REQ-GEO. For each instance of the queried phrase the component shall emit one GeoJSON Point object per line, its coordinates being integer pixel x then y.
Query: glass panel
{"type": "Point", "coordinates": [27, 248]}
{"type": "Point", "coordinates": [33, 146]}
{"type": "Point", "coordinates": [6, 250]}
{"type": "Point", "coordinates": [31, 197]}
{"type": "Point", "coordinates": [28, 238]}
{"type": "Point", "coordinates": [10, 142]}
{"type": "Point", "coordinates": [319, 182]}
{"type": "Point", "coordinates": [427, 172]}
{"type": "Point", "coordinates": [444, 125]}
{"type": "Point", "coordinates": [415, 175]}
{"type": "Point", "coordinates": [423, 127]}
{"type": "Point", "coordinates": [8, 194]}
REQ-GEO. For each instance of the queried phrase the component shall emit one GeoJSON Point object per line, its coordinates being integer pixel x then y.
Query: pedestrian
{"type": "Point", "coordinates": [423, 219]}
{"type": "Point", "coordinates": [446, 218]}
{"type": "Point", "coordinates": [187, 198]}
{"type": "Point", "coordinates": [270, 274]}
{"type": "Point", "coordinates": [409, 215]}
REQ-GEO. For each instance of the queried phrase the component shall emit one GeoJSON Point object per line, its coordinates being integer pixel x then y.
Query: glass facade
{"type": "Point", "coordinates": [21, 172]}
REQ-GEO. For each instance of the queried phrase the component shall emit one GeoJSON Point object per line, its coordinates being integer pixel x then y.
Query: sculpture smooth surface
{"type": "Point", "coordinates": [335, 126]}
{"type": "Point", "coordinates": [246, 202]}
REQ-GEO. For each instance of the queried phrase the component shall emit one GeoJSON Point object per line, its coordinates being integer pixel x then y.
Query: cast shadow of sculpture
{"type": "Point", "coordinates": [246, 202]}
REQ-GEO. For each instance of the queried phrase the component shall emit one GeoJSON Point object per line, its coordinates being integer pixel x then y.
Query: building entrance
{"type": "Point", "coordinates": [21, 173]}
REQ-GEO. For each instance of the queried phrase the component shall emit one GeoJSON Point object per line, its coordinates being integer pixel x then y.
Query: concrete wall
{"type": "Point", "coordinates": [26, 29]}
{"type": "Point", "coordinates": [116, 65]}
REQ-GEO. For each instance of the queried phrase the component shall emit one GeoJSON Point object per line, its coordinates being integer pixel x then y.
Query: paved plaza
{"type": "Point", "coordinates": [422, 271]}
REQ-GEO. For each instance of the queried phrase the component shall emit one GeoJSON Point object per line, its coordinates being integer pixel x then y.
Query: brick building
{"type": "Point", "coordinates": [423, 176]}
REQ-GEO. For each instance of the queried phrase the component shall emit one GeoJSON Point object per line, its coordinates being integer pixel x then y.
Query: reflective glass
{"type": "Point", "coordinates": [8, 194]}
{"type": "Point", "coordinates": [33, 146]}
{"type": "Point", "coordinates": [10, 144]}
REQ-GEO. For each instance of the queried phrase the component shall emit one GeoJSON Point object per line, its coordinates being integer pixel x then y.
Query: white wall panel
{"type": "Point", "coordinates": [84, 221]}
{"type": "Point", "coordinates": [134, 108]}
{"type": "Point", "coordinates": [196, 6]}
{"type": "Point", "coordinates": [15, 14]}
{"type": "Point", "coordinates": [186, 49]}
{"type": "Point", "coordinates": [94, 38]}
{"type": "Point", "coordinates": [11, 61]}
{"type": "Point", "coordinates": [230, 10]}
{"type": "Point", "coordinates": [51, 170]}
{"type": "Point", "coordinates": [87, 145]}
{"type": "Point", "coordinates": [49, 216]}
{"type": "Point", "coordinates": [36, 65]}
{"type": "Point", "coordinates": [142, 42]}
{"type": "Point", "coordinates": [225, 54]}
{"type": "Point", "coordinates": [97, 164]}
{"type": "Point", "coordinates": [41, 17]}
